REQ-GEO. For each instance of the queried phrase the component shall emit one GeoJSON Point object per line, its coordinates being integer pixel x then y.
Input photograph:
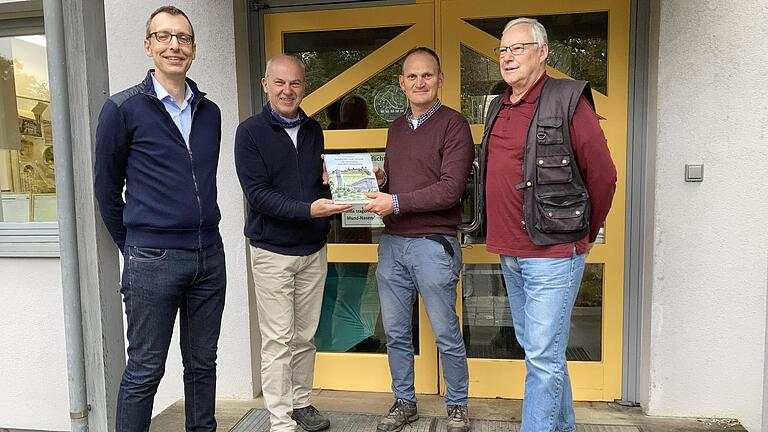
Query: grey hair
{"type": "Point", "coordinates": [538, 31]}
{"type": "Point", "coordinates": [285, 56]}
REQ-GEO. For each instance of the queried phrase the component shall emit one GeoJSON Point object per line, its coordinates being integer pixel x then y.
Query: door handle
{"type": "Point", "coordinates": [476, 218]}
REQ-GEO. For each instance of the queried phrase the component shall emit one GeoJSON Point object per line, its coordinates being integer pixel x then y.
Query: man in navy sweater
{"type": "Point", "coordinates": [278, 159]}
{"type": "Point", "coordinates": [160, 141]}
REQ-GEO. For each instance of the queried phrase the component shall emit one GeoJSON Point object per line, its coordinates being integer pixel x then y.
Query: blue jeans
{"type": "Point", "coordinates": [541, 293]}
{"type": "Point", "coordinates": [156, 284]}
{"type": "Point", "coordinates": [409, 267]}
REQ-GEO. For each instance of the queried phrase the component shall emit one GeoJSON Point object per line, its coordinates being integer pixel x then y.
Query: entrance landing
{"type": "Point", "coordinates": [257, 420]}
{"type": "Point", "coordinates": [361, 411]}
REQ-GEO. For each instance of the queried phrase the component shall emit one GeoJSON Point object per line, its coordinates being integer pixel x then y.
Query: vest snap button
{"type": "Point", "coordinates": [529, 184]}
{"type": "Point", "coordinates": [578, 212]}
{"type": "Point", "coordinates": [541, 162]}
{"type": "Point", "coordinates": [549, 214]}
{"type": "Point", "coordinates": [565, 161]}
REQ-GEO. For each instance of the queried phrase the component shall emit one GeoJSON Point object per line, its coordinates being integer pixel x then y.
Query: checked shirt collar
{"type": "Point", "coordinates": [422, 118]}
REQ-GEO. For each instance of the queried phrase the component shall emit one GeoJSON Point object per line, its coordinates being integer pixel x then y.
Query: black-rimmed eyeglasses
{"type": "Point", "coordinates": [164, 37]}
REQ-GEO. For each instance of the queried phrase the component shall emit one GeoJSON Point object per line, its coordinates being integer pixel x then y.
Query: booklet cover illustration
{"type": "Point", "coordinates": [350, 176]}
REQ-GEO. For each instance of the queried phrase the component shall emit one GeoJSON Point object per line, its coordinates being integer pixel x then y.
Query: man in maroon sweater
{"type": "Point", "coordinates": [549, 183]}
{"type": "Point", "coordinates": [428, 158]}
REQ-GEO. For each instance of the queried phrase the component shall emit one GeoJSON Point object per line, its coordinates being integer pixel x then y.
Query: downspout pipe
{"type": "Point", "coordinates": [65, 190]}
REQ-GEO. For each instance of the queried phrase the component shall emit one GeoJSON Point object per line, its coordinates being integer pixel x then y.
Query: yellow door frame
{"type": "Point", "coordinates": [441, 24]}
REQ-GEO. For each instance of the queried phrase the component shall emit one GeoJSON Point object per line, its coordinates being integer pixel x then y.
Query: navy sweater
{"type": "Point", "coordinates": [280, 182]}
{"type": "Point", "coordinates": [170, 191]}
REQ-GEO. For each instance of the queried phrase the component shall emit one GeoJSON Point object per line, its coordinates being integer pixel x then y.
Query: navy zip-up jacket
{"type": "Point", "coordinates": [280, 182]}
{"type": "Point", "coordinates": [170, 191]}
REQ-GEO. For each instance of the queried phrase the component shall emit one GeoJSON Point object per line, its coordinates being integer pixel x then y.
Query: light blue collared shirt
{"type": "Point", "coordinates": [181, 115]}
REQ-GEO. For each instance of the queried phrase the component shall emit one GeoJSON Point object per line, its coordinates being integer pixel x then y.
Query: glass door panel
{"type": "Point", "coordinates": [487, 319]}
{"type": "Point", "coordinates": [350, 320]}
{"type": "Point", "coordinates": [578, 43]}
{"type": "Point", "coordinates": [328, 53]}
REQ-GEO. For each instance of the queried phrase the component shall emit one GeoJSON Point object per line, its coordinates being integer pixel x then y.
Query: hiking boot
{"type": "Point", "coordinates": [401, 414]}
{"type": "Point", "coordinates": [457, 418]}
{"type": "Point", "coordinates": [310, 419]}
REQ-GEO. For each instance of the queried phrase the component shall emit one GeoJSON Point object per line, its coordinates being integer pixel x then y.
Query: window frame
{"type": "Point", "coordinates": [26, 239]}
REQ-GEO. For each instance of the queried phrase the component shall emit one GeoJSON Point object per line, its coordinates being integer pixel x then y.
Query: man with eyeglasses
{"type": "Point", "coordinates": [160, 141]}
{"type": "Point", "coordinates": [549, 182]}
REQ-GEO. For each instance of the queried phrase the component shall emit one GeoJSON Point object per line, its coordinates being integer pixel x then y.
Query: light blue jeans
{"type": "Point", "coordinates": [409, 267]}
{"type": "Point", "coordinates": [541, 293]}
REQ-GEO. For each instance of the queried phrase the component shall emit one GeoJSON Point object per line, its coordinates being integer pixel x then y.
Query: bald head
{"type": "Point", "coordinates": [283, 83]}
{"type": "Point", "coordinates": [284, 60]}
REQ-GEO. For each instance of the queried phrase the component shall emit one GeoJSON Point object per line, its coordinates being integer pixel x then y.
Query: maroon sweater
{"type": "Point", "coordinates": [427, 168]}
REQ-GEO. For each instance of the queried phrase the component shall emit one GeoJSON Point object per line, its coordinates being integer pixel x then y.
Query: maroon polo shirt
{"type": "Point", "coordinates": [506, 148]}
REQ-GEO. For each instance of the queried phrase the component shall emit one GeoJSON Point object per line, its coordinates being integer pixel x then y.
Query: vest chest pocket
{"type": "Point", "coordinates": [549, 137]}
{"type": "Point", "coordinates": [549, 131]}
{"type": "Point", "coordinates": [553, 170]}
{"type": "Point", "coordinates": [562, 213]}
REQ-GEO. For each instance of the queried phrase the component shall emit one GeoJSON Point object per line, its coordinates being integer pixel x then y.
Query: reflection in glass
{"type": "Point", "coordinates": [27, 183]}
{"type": "Point", "coordinates": [578, 43]}
{"type": "Point", "coordinates": [329, 53]}
{"type": "Point", "coordinates": [487, 319]}
{"type": "Point", "coordinates": [480, 82]}
{"type": "Point", "coordinates": [350, 320]}
{"type": "Point", "coordinates": [373, 104]}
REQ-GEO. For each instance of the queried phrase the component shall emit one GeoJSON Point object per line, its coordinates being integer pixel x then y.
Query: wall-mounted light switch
{"type": "Point", "coordinates": [694, 173]}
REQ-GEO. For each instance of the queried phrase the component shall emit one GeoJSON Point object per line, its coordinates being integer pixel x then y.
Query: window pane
{"type": "Point", "coordinates": [480, 82]}
{"type": "Point", "coordinates": [372, 105]}
{"type": "Point", "coordinates": [27, 183]}
{"type": "Point", "coordinates": [578, 43]}
{"type": "Point", "coordinates": [487, 319]}
{"type": "Point", "coordinates": [350, 320]}
{"type": "Point", "coordinates": [329, 53]}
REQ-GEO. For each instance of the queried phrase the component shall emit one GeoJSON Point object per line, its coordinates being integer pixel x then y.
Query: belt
{"type": "Point", "coordinates": [443, 241]}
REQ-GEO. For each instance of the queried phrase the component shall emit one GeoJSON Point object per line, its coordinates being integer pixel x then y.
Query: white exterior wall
{"type": "Point", "coordinates": [214, 71]}
{"type": "Point", "coordinates": [706, 335]}
{"type": "Point", "coordinates": [33, 357]}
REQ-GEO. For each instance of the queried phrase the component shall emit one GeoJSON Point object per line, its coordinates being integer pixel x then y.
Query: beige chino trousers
{"type": "Point", "coordinates": [289, 295]}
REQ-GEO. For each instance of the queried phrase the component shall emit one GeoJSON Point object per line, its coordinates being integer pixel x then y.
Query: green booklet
{"type": "Point", "coordinates": [350, 176]}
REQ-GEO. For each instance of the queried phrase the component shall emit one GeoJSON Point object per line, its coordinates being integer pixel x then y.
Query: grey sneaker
{"type": "Point", "coordinates": [310, 419]}
{"type": "Point", "coordinates": [401, 414]}
{"type": "Point", "coordinates": [457, 418]}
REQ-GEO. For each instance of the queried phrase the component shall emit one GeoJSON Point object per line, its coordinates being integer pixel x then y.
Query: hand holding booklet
{"type": "Point", "coordinates": [350, 176]}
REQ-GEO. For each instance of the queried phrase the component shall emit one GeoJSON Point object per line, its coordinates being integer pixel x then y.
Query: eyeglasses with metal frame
{"type": "Point", "coordinates": [515, 49]}
{"type": "Point", "coordinates": [164, 37]}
